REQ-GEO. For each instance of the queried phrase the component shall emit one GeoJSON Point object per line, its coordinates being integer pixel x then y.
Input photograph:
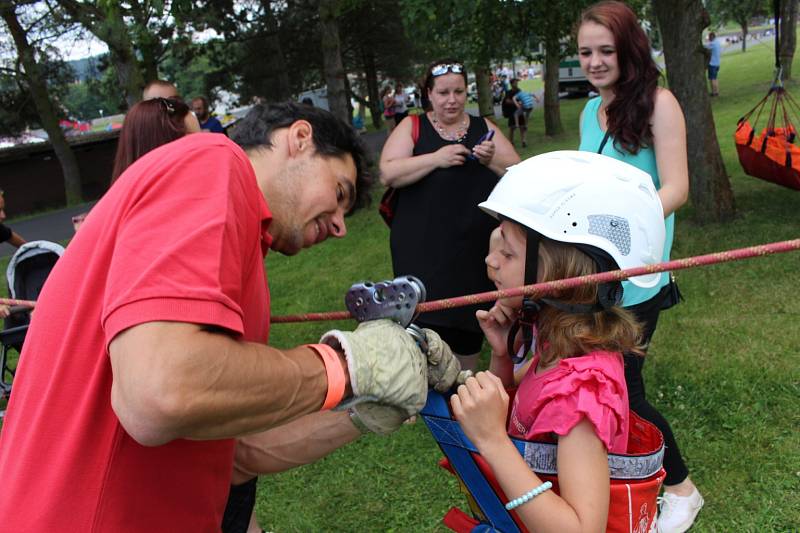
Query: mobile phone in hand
{"type": "Point", "coordinates": [485, 137]}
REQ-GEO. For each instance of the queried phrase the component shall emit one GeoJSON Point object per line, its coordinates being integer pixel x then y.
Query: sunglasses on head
{"type": "Point", "coordinates": [440, 70]}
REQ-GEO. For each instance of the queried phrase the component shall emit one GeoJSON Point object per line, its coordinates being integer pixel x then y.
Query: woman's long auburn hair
{"type": "Point", "coordinates": [561, 335]}
{"type": "Point", "coordinates": [148, 125]}
{"type": "Point", "coordinates": [635, 91]}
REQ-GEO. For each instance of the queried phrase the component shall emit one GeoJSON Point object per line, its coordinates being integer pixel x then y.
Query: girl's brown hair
{"type": "Point", "coordinates": [635, 90]}
{"type": "Point", "coordinates": [148, 125]}
{"type": "Point", "coordinates": [560, 334]}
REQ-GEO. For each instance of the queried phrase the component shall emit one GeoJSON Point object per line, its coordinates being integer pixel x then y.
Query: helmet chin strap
{"type": "Point", "coordinates": [608, 295]}
{"type": "Point", "coordinates": [530, 307]}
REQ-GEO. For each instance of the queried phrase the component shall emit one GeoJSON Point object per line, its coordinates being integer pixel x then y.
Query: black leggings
{"type": "Point", "coordinates": [647, 315]}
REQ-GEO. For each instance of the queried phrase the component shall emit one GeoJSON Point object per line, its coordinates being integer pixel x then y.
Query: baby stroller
{"type": "Point", "coordinates": [26, 273]}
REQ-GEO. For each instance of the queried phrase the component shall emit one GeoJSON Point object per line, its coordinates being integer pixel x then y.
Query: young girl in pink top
{"type": "Point", "coordinates": [563, 214]}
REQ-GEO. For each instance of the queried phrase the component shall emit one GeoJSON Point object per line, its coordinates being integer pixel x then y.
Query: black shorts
{"type": "Point", "coordinates": [461, 341]}
{"type": "Point", "coordinates": [518, 118]}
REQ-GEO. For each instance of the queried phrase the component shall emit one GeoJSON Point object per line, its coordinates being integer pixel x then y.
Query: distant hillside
{"type": "Point", "coordinates": [88, 67]}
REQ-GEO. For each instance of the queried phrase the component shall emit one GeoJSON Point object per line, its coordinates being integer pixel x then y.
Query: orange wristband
{"type": "Point", "coordinates": [334, 372]}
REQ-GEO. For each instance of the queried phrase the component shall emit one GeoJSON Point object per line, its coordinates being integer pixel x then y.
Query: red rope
{"type": "Point", "coordinates": [542, 289]}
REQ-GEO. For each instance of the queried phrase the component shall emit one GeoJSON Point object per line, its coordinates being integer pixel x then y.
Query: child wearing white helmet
{"type": "Point", "coordinates": [599, 214]}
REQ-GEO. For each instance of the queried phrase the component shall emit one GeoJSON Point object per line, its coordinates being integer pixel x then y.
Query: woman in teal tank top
{"type": "Point", "coordinates": [636, 121]}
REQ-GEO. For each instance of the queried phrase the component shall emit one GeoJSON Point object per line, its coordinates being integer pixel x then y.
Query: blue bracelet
{"type": "Point", "coordinates": [528, 496]}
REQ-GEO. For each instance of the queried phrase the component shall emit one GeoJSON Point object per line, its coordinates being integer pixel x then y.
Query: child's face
{"type": "Point", "coordinates": [505, 264]}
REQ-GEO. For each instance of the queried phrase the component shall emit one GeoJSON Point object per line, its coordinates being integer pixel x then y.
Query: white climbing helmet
{"type": "Point", "coordinates": [589, 199]}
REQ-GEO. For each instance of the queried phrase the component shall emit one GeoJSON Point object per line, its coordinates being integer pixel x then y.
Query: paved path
{"type": "Point", "coordinates": [53, 226]}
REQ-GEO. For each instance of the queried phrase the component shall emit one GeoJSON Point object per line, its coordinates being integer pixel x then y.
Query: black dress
{"type": "Point", "coordinates": [440, 235]}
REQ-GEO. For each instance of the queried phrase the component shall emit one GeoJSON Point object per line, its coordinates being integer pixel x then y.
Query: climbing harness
{"type": "Point", "coordinates": [636, 476]}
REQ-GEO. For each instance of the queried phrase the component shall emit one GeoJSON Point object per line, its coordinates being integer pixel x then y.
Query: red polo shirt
{"type": "Point", "coordinates": [181, 236]}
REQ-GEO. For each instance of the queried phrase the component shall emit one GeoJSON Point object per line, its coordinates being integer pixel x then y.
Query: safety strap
{"type": "Point", "coordinates": [414, 128]}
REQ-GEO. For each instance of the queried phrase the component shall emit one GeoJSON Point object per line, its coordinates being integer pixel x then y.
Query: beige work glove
{"type": "Point", "coordinates": [385, 364]}
{"type": "Point", "coordinates": [371, 417]}
{"type": "Point", "coordinates": [444, 369]}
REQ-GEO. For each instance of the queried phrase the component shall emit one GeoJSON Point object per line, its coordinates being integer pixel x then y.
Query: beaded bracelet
{"type": "Point", "coordinates": [334, 372]}
{"type": "Point", "coordinates": [528, 496]}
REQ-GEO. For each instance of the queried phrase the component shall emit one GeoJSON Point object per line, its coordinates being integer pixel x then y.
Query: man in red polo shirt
{"type": "Point", "coordinates": [147, 354]}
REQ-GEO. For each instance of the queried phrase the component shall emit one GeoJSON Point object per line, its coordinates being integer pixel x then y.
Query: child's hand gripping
{"type": "Point", "coordinates": [481, 407]}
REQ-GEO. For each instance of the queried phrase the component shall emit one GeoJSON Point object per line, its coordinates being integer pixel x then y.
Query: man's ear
{"type": "Point", "coordinates": [299, 137]}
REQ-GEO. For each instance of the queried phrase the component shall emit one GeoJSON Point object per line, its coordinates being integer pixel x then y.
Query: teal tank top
{"type": "Point", "coordinates": [591, 137]}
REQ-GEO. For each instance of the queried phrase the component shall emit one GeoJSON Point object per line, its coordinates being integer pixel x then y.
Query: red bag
{"type": "Point", "coordinates": [388, 204]}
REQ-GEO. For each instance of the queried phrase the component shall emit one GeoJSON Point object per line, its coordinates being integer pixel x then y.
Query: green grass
{"type": "Point", "coordinates": [723, 367]}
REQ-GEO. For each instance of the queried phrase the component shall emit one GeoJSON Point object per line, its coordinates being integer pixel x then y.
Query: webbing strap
{"type": "Point", "coordinates": [456, 447]}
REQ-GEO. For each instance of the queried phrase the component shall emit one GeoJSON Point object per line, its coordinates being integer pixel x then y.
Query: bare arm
{"type": "Point", "coordinates": [16, 240]}
{"type": "Point", "coordinates": [176, 380]}
{"type": "Point", "coordinates": [399, 167]}
{"type": "Point", "coordinates": [669, 142]}
{"type": "Point", "coordinates": [481, 406]}
{"type": "Point", "coordinates": [583, 481]}
{"type": "Point", "coordinates": [297, 443]}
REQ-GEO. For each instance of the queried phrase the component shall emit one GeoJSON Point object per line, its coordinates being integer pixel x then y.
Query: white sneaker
{"type": "Point", "coordinates": [676, 513]}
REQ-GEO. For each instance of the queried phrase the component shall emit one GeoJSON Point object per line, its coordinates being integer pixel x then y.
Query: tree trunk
{"type": "Point", "coordinates": [332, 59]}
{"type": "Point", "coordinates": [371, 77]}
{"type": "Point", "coordinates": [744, 35]}
{"type": "Point", "coordinates": [128, 74]}
{"type": "Point", "coordinates": [552, 108]}
{"type": "Point", "coordinates": [47, 111]}
{"type": "Point", "coordinates": [681, 31]}
{"type": "Point", "coordinates": [280, 88]}
{"type": "Point", "coordinates": [105, 22]}
{"type": "Point", "coordinates": [483, 84]}
{"type": "Point", "coordinates": [150, 64]}
{"type": "Point", "coordinates": [788, 40]}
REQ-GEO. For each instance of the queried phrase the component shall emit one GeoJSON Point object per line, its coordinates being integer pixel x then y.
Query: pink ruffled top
{"type": "Point", "coordinates": [556, 400]}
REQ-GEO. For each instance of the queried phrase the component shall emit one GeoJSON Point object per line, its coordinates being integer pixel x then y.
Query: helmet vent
{"type": "Point", "coordinates": [614, 229]}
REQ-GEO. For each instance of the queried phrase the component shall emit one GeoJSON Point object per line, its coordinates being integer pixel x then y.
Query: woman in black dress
{"type": "Point", "coordinates": [438, 234]}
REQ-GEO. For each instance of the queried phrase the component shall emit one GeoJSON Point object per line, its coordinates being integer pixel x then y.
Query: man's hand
{"type": "Point", "coordinates": [384, 363]}
{"type": "Point", "coordinates": [444, 368]}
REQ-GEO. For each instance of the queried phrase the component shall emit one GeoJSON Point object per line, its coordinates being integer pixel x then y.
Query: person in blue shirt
{"type": "Point", "coordinates": [713, 62]}
{"type": "Point", "coordinates": [207, 122]}
{"type": "Point", "coordinates": [638, 122]}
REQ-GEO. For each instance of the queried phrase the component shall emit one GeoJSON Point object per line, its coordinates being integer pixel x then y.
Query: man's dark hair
{"type": "Point", "coordinates": [203, 99]}
{"type": "Point", "coordinates": [332, 137]}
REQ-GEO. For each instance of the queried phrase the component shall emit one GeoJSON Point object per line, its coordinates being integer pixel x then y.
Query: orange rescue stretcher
{"type": "Point", "coordinates": [771, 155]}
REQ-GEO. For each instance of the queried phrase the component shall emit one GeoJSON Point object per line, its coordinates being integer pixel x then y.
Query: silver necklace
{"type": "Point", "coordinates": [458, 136]}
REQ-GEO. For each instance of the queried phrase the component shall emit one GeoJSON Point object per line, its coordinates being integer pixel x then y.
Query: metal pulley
{"type": "Point", "coordinates": [395, 299]}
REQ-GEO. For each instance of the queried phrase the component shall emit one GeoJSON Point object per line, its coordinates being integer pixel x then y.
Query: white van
{"type": "Point", "coordinates": [571, 78]}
